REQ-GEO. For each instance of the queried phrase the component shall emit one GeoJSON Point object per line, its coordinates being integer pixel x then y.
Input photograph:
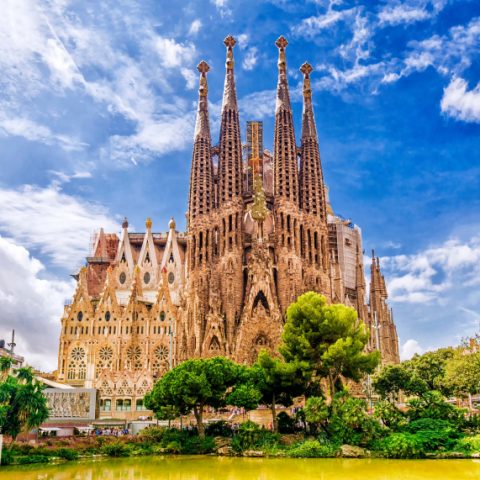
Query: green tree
{"type": "Point", "coordinates": [277, 381]}
{"type": "Point", "coordinates": [316, 412]}
{"type": "Point", "coordinates": [393, 379]}
{"type": "Point", "coordinates": [23, 405]}
{"type": "Point", "coordinates": [194, 384]}
{"type": "Point", "coordinates": [329, 339]}
{"type": "Point", "coordinates": [462, 373]}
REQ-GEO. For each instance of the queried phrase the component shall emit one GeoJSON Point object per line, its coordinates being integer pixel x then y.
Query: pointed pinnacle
{"type": "Point", "coordinates": [229, 41]}
{"type": "Point", "coordinates": [281, 42]}
{"type": "Point", "coordinates": [203, 67]}
{"type": "Point", "coordinates": [306, 69]}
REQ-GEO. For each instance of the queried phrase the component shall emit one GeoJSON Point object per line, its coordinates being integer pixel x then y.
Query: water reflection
{"type": "Point", "coordinates": [203, 468]}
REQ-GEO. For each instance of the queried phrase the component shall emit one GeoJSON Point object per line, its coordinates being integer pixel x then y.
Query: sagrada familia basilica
{"type": "Point", "coordinates": [260, 232]}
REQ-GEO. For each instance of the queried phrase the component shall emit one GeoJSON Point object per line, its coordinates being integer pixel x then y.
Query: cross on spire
{"type": "Point", "coordinates": [306, 69]}
{"type": "Point", "coordinates": [203, 67]}
{"type": "Point", "coordinates": [281, 42]}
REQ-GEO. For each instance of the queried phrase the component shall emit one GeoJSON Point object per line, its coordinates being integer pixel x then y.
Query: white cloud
{"type": "Point", "coordinates": [258, 105]}
{"type": "Point", "coordinates": [402, 14]}
{"type": "Point", "coordinates": [30, 130]}
{"type": "Point", "coordinates": [195, 27]}
{"type": "Point", "coordinates": [459, 102]}
{"type": "Point", "coordinates": [56, 224]}
{"type": "Point", "coordinates": [242, 40]}
{"type": "Point", "coordinates": [173, 54]}
{"type": "Point", "coordinates": [312, 26]}
{"type": "Point", "coordinates": [410, 348]}
{"type": "Point", "coordinates": [31, 304]}
{"type": "Point", "coordinates": [427, 276]}
{"type": "Point", "coordinates": [250, 59]}
{"type": "Point", "coordinates": [190, 78]}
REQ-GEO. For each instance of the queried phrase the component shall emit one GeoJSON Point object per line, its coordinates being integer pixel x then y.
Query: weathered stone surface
{"type": "Point", "coordinates": [352, 451]}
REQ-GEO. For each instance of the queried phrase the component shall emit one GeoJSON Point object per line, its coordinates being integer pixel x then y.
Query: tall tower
{"type": "Point", "coordinates": [230, 203]}
{"type": "Point", "coordinates": [314, 231]}
{"type": "Point", "coordinates": [383, 331]}
{"type": "Point", "coordinates": [286, 199]}
{"type": "Point", "coordinates": [200, 231]}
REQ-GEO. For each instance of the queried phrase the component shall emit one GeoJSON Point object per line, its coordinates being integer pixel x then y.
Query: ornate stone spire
{"type": "Point", "coordinates": [201, 175]}
{"type": "Point", "coordinates": [312, 189]}
{"type": "Point", "coordinates": [230, 148]}
{"type": "Point", "coordinates": [285, 150]}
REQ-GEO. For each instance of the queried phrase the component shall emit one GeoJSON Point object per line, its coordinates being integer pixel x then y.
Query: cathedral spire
{"type": "Point", "coordinates": [230, 173]}
{"type": "Point", "coordinates": [285, 150]}
{"type": "Point", "coordinates": [201, 175]}
{"type": "Point", "coordinates": [312, 189]}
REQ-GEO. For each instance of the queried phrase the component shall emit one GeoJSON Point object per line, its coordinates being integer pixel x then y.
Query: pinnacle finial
{"type": "Point", "coordinates": [306, 69]}
{"type": "Point", "coordinates": [148, 223]}
{"type": "Point", "coordinates": [229, 43]}
{"type": "Point", "coordinates": [125, 223]}
{"type": "Point", "coordinates": [203, 67]}
{"type": "Point", "coordinates": [281, 42]}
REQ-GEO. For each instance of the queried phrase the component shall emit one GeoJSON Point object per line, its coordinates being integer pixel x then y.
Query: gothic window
{"type": "Point", "coordinates": [146, 278]}
{"type": "Point", "coordinates": [161, 353]}
{"type": "Point", "coordinates": [162, 316]}
{"type": "Point", "coordinates": [171, 277]}
{"type": "Point", "coordinates": [147, 258]}
{"type": "Point", "coordinates": [78, 354]}
{"type": "Point", "coordinates": [122, 278]}
{"type": "Point", "coordinates": [107, 316]}
{"type": "Point", "coordinates": [80, 316]}
{"type": "Point", "coordinates": [134, 352]}
{"type": "Point", "coordinates": [261, 341]}
{"type": "Point", "coordinates": [214, 345]}
{"type": "Point", "coordinates": [71, 371]}
{"type": "Point", "coordinates": [82, 370]}
{"type": "Point", "coordinates": [171, 260]}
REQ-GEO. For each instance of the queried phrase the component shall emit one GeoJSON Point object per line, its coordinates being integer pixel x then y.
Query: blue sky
{"type": "Point", "coordinates": [97, 107]}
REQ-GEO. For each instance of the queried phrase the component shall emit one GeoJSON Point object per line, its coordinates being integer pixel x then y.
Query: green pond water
{"type": "Point", "coordinates": [202, 468]}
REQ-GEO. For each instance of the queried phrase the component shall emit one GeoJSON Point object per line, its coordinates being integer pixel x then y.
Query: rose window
{"type": "Point", "coordinates": [134, 352]}
{"type": "Point", "coordinates": [78, 354]}
{"type": "Point", "coordinates": [161, 352]}
{"type": "Point", "coordinates": [106, 354]}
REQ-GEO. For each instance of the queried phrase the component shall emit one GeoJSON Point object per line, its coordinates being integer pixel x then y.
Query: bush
{"type": "Point", "coordinates": [400, 445]}
{"type": "Point", "coordinates": [286, 424]}
{"type": "Point", "coordinates": [350, 423]}
{"type": "Point", "coordinates": [27, 459]}
{"type": "Point", "coordinates": [250, 435]}
{"type": "Point", "coordinates": [219, 429]}
{"type": "Point", "coordinates": [313, 449]}
{"type": "Point", "coordinates": [116, 449]}
{"type": "Point", "coordinates": [469, 444]}
{"type": "Point", "coordinates": [153, 434]}
{"type": "Point", "coordinates": [7, 456]}
{"type": "Point", "coordinates": [197, 445]}
{"type": "Point", "coordinates": [432, 405]}
{"type": "Point", "coordinates": [390, 415]}
{"type": "Point", "coordinates": [67, 453]}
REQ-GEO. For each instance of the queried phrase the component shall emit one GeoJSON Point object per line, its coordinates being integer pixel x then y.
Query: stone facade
{"type": "Point", "coordinates": [260, 232]}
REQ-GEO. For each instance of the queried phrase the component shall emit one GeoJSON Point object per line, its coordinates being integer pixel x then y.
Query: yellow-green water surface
{"type": "Point", "coordinates": [202, 468]}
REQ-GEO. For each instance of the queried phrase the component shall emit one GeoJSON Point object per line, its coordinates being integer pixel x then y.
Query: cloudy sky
{"type": "Point", "coordinates": [97, 105]}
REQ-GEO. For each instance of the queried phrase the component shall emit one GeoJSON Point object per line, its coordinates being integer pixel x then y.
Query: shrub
{"type": "Point", "coordinates": [7, 456]}
{"type": "Point", "coordinates": [116, 449]}
{"type": "Point", "coordinates": [173, 447]}
{"type": "Point", "coordinates": [312, 449]}
{"type": "Point", "coordinates": [469, 444]}
{"type": "Point", "coordinates": [219, 429]}
{"type": "Point", "coordinates": [197, 445]}
{"type": "Point", "coordinates": [390, 415]}
{"type": "Point", "coordinates": [27, 459]}
{"type": "Point", "coordinates": [400, 445]}
{"type": "Point", "coordinates": [67, 453]}
{"type": "Point", "coordinates": [286, 424]}
{"type": "Point", "coordinates": [350, 423]}
{"type": "Point", "coordinates": [153, 434]}
{"type": "Point", "coordinates": [250, 435]}
{"type": "Point", "coordinates": [432, 405]}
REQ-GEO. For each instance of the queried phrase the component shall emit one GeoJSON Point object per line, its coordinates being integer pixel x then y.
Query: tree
{"type": "Point", "coordinates": [278, 382]}
{"type": "Point", "coordinates": [462, 373]}
{"type": "Point", "coordinates": [194, 384]}
{"type": "Point", "coordinates": [393, 379]}
{"type": "Point", "coordinates": [23, 405]}
{"type": "Point", "coordinates": [329, 338]}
